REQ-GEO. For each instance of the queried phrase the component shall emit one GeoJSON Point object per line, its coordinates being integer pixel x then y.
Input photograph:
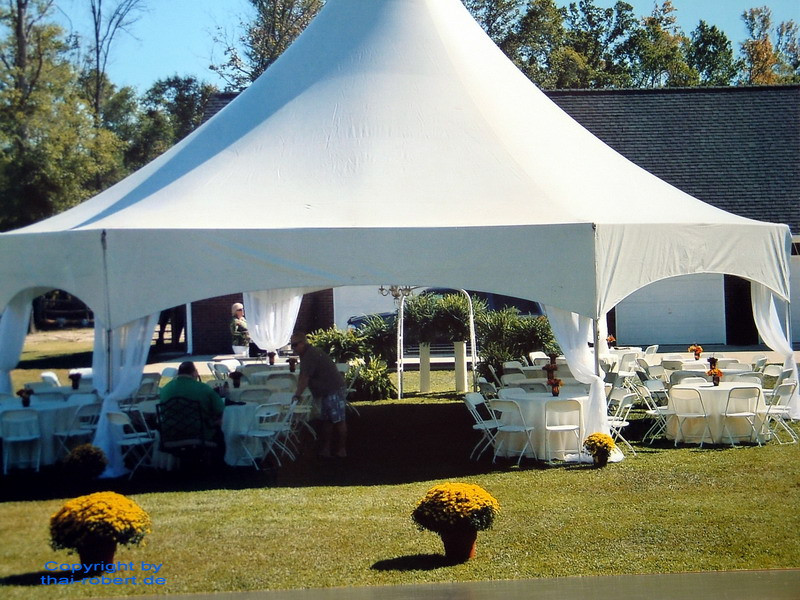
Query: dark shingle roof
{"type": "Point", "coordinates": [737, 148]}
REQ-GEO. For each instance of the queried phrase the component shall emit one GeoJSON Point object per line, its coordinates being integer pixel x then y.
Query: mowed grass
{"type": "Point", "coordinates": [318, 523]}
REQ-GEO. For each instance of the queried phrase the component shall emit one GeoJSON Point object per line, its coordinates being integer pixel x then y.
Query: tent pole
{"type": "Point", "coordinates": [473, 351]}
{"type": "Point", "coordinates": [400, 348]}
{"type": "Point", "coordinates": [109, 333]}
{"type": "Point", "coordinates": [596, 332]}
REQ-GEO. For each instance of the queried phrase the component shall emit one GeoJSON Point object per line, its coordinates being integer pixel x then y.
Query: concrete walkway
{"type": "Point", "coordinates": [730, 585]}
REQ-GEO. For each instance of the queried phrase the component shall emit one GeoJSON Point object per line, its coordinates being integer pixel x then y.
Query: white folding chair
{"type": "Point", "coordinates": [563, 417]}
{"type": "Point", "coordinates": [487, 424]}
{"type": "Point", "coordinates": [136, 444]}
{"type": "Point", "coordinates": [82, 425]}
{"type": "Point", "coordinates": [746, 376]}
{"type": "Point", "coordinates": [509, 379]}
{"type": "Point", "coordinates": [262, 430]}
{"type": "Point", "coordinates": [778, 412]}
{"type": "Point", "coordinates": [618, 419]}
{"type": "Point", "coordinates": [741, 406]}
{"type": "Point", "coordinates": [686, 404]}
{"type": "Point", "coordinates": [20, 427]}
{"type": "Point", "coordinates": [487, 390]}
{"type": "Point", "coordinates": [51, 378]}
{"type": "Point", "coordinates": [511, 411]}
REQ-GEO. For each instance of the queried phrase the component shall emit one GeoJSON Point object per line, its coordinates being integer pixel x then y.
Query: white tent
{"type": "Point", "coordinates": [392, 142]}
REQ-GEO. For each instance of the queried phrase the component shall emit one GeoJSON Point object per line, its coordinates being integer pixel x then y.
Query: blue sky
{"type": "Point", "coordinates": [175, 36]}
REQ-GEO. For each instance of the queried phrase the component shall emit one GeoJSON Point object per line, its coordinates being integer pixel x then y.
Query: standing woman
{"type": "Point", "coordinates": [239, 335]}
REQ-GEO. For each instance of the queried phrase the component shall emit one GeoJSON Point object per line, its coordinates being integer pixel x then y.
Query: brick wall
{"type": "Point", "coordinates": [211, 320]}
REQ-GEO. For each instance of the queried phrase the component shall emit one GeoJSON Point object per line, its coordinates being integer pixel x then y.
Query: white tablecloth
{"type": "Point", "coordinates": [532, 406]}
{"type": "Point", "coordinates": [53, 415]}
{"type": "Point", "coordinates": [715, 399]}
{"type": "Point", "coordinates": [236, 419]}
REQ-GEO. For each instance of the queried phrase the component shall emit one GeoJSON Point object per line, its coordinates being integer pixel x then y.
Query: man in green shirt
{"type": "Point", "coordinates": [187, 384]}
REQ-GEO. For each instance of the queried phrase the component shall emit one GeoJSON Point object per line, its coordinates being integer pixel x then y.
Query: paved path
{"type": "Point", "coordinates": [730, 585]}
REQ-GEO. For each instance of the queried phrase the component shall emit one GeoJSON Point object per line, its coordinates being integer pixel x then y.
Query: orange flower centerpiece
{"type": "Point", "coordinates": [610, 339]}
{"type": "Point", "coordinates": [553, 381]}
{"type": "Point", "coordinates": [697, 349]}
{"type": "Point", "coordinates": [93, 525]}
{"type": "Point", "coordinates": [714, 372]}
{"type": "Point", "coordinates": [25, 395]}
{"type": "Point", "coordinates": [456, 511]}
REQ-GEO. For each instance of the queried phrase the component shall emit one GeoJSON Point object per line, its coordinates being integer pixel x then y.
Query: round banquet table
{"type": "Point", "coordinates": [715, 399]}
{"type": "Point", "coordinates": [532, 406]}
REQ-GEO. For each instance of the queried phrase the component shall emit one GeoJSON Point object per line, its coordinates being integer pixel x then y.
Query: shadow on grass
{"type": "Point", "coordinates": [40, 578]}
{"type": "Point", "coordinates": [413, 562]}
{"type": "Point", "coordinates": [389, 443]}
{"type": "Point", "coordinates": [60, 361]}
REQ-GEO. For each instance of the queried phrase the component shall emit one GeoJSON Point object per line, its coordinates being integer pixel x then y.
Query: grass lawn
{"type": "Point", "coordinates": [347, 523]}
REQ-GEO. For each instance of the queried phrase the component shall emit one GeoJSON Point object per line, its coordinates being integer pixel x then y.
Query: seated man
{"type": "Point", "coordinates": [187, 384]}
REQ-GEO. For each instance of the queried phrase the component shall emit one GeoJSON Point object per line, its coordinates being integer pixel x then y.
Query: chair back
{"type": "Point", "coordinates": [280, 385]}
{"type": "Point", "coordinates": [87, 416]}
{"type": "Point", "coordinates": [487, 389]}
{"type": "Point", "coordinates": [256, 393]}
{"type": "Point", "coordinates": [148, 388]}
{"type": "Point", "coordinates": [509, 378]}
{"type": "Point", "coordinates": [626, 362]}
{"type": "Point", "coordinates": [651, 350]}
{"type": "Point", "coordinates": [679, 376]}
{"type": "Point", "coordinates": [511, 393]}
{"type": "Point", "coordinates": [623, 407]}
{"type": "Point", "coordinates": [563, 412]}
{"type": "Point", "coordinates": [493, 373]}
{"type": "Point", "coordinates": [220, 370]}
{"type": "Point", "coordinates": [19, 422]}
{"type": "Point", "coordinates": [533, 356]}
{"type": "Point", "coordinates": [772, 370]}
{"type": "Point", "coordinates": [181, 424]}
{"type": "Point", "coordinates": [743, 400]}
{"type": "Point", "coordinates": [783, 393]}
{"type": "Point", "coordinates": [51, 378]}
{"type": "Point", "coordinates": [686, 401]}
{"type": "Point", "coordinates": [672, 364]}
{"type": "Point", "coordinates": [694, 380]}
{"type": "Point", "coordinates": [508, 406]}
{"type": "Point", "coordinates": [473, 401]}
{"type": "Point", "coordinates": [747, 376]}
{"type": "Point", "coordinates": [758, 362]}
{"type": "Point", "coordinates": [172, 372]}
{"type": "Point", "coordinates": [265, 415]}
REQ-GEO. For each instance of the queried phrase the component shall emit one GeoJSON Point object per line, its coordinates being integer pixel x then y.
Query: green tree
{"type": "Point", "coordinates": [710, 54]}
{"type": "Point", "coordinates": [596, 46]}
{"type": "Point", "coordinates": [535, 42]}
{"type": "Point", "coordinates": [760, 57]}
{"type": "Point", "coordinates": [497, 17]}
{"type": "Point", "coordinates": [659, 59]}
{"type": "Point", "coordinates": [276, 24]}
{"type": "Point", "coordinates": [50, 153]}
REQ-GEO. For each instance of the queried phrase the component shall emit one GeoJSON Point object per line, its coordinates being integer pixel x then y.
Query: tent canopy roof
{"type": "Point", "coordinates": [393, 141]}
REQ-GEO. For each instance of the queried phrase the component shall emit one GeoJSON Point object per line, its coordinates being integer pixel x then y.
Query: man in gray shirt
{"type": "Point", "coordinates": [319, 374]}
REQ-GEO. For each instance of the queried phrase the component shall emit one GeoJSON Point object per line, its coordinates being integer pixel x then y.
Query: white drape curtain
{"type": "Point", "coordinates": [130, 345]}
{"type": "Point", "coordinates": [13, 329]}
{"type": "Point", "coordinates": [271, 315]}
{"type": "Point", "coordinates": [572, 333]}
{"type": "Point", "coordinates": [771, 329]}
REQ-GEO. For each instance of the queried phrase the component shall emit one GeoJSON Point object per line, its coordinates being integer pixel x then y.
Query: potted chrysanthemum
{"type": "Point", "coordinates": [85, 462]}
{"type": "Point", "coordinates": [93, 525]}
{"type": "Point", "coordinates": [599, 446]}
{"type": "Point", "coordinates": [456, 511]}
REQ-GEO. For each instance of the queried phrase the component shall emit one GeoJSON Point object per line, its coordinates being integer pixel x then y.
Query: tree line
{"type": "Point", "coordinates": [67, 132]}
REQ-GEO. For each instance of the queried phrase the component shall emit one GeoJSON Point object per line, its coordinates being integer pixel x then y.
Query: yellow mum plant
{"type": "Point", "coordinates": [452, 506]}
{"type": "Point", "coordinates": [106, 516]}
{"type": "Point", "coordinates": [599, 443]}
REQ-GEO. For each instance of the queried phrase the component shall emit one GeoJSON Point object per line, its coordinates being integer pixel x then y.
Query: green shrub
{"type": "Point", "coordinates": [341, 345]}
{"type": "Point", "coordinates": [505, 335]}
{"type": "Point", "coordinates": [379, 338]}
{"type": "Point", "coordinates": [373, 381]}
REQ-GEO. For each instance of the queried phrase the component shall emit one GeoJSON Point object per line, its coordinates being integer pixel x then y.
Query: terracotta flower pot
{"type": "Point", "coordinates": [460, 545]}
{"type": "Point", "coordinates": [715, 380]}
{"type": "Point", "coordinates": [99, 552]}
{"type": "Point", "coordinates": [600, 459]}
